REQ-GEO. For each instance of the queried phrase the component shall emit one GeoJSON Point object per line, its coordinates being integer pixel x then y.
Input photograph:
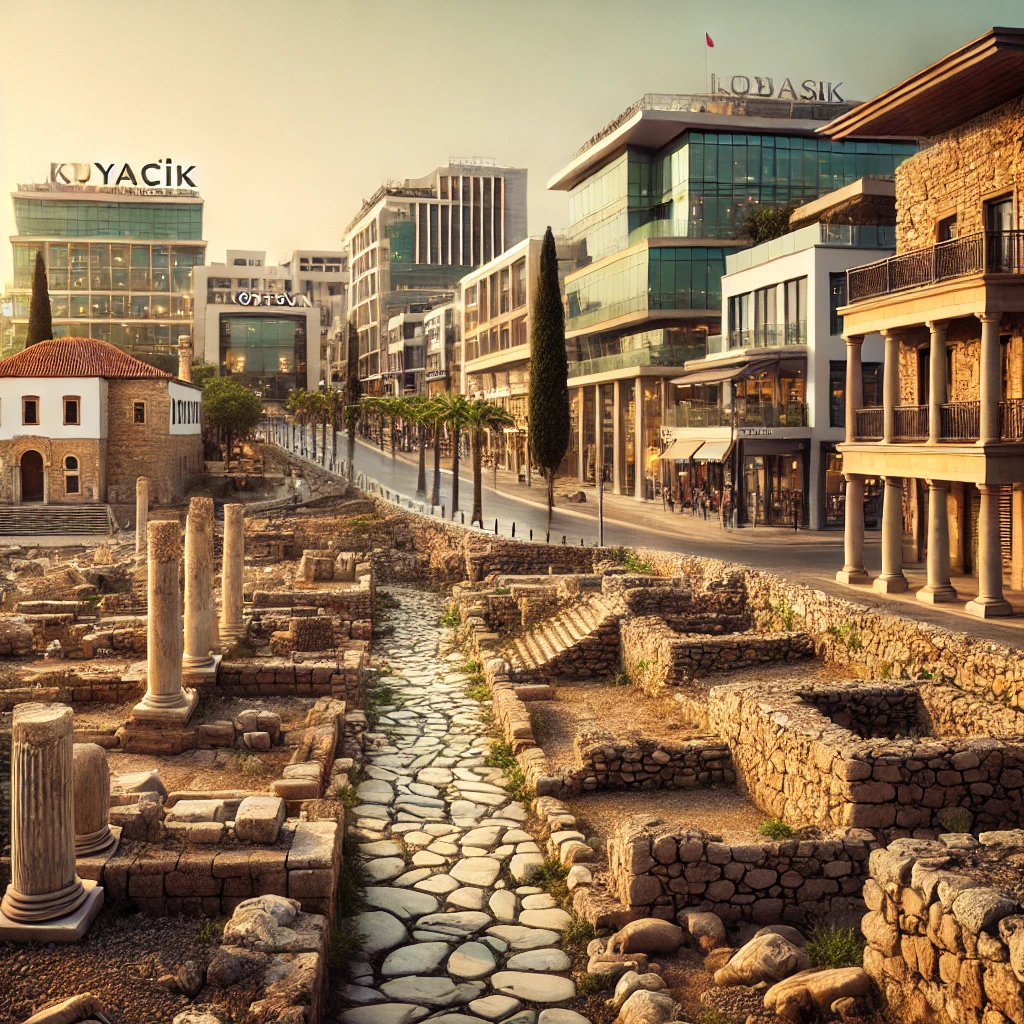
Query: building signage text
{"type": "Point", "coordinates": [271, 299]}
{"type": "Point", "coordinates": [809, 90]}
{"type": "Point", "coordinates": [755, 432]}
{"type": "Point", "coordinates": [160, 174]}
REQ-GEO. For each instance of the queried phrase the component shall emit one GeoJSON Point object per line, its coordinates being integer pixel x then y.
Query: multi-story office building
{"type": "Point", "coordinates": [657, 201]}
{"type": "Point", "coordinates": [411, 243]}
{"type": "Point", "coordinates": [443, 370]}
{"type": "Point", "coordinates": [948, 435]}
{"type": "Point", "coordinates": [497, 300]}
{"type": "Point", "coordinates": [119, 261]}
{"type": "Point", "coordinates": [765, 408]}
{"type": "Point", "coordinates": [268, 325]}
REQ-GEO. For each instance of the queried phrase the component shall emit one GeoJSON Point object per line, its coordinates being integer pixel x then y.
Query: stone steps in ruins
{"type": "Point", "coordinates": [572, 626]}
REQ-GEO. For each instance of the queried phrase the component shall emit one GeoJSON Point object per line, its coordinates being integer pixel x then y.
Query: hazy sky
{"type": "Point", "coordinates": [293, 111]}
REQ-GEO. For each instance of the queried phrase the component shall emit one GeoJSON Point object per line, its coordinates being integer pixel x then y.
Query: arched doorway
{"type": "Point", "coordinates": [31, 476]}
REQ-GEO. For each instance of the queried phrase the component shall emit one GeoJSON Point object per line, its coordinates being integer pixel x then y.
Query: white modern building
{"type": "Point", "coordinates": [268, 325]}
{"type": "Point", "coordinates": [757, 420]}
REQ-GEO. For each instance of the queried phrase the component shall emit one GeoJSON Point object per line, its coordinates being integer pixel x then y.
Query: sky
{"type": "Point", "coordinates": [294, 112]}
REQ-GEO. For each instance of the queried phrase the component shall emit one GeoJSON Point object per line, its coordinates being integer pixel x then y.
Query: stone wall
{"type": "Point", "coordinates": [343, 678]}
{"type": "Point", "coordinates": [664, 869]}
{"type": "Point", "coordinates": [943, 946]}
{"type": "Point", "coordinates": [351, 604]}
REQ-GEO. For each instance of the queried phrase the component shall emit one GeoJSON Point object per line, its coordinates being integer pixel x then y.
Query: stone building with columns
{"type": "Point", "coordinates": [948, 437]}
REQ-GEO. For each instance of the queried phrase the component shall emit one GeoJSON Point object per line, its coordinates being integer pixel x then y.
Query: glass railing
{"type": "Point", "coordinates": [660, 355]}
{"type": "Point", "coordinates": [856, 236]}
{"type": "Point", "coordinates": [747, 414]}
{"type": "Point", "coordinates": [770, 336]}
{"type": "Point", "coordinates": [715, 344]}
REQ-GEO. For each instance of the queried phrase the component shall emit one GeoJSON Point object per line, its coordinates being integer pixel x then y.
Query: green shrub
{"type": "Point", "coordinates": [251, 764]}
{"type": "Point", "coordinates": [955, 819]}
{"type": "Point", "coordinates": [776, 829]}
{"type": "Point", "coordinates": [212, 930]}
{"type": "Point", "coordinates": [472, 668]}
{"type": "Point", "coordinates": [787, 615]}
{"type": "Point", "coordinates": [551, 876]}
{"type": "Point", "coordinates": [502, 756]}
{"type": "Point", "coordinates": [576, 936]}
{"type": "Point", "coordinates": [829, 946]}
{"type": "Point", "coordinates": [345, 942]}
{"type": "Point", "coordinates": [592, 984]}
{"type": "Point", "coordinates": [632, 562]}
{"type": "Point", "coordinates": [622, 679]}
{"type": "Point", "coordinates": [479, 691]}
{"type": "Point", "coordinates": [710, 1015]}
{"type": "Point", "coordinates": [451, 617]}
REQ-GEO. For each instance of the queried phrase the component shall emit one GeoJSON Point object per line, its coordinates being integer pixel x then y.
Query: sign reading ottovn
{"type": "Point", "coordinates": [160, 174]}
{"type": "Point", "coordinates": [271, 299]}
{"type": "Point", "coordinates": [809, 89]}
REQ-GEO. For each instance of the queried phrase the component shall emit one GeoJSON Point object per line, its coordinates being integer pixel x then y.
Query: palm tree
{"type": "Point", "coordinates": [416, 412]}
{"type": "Point", "coordinates": [454, 412]}
{"type": "Point", "coordinates": [352, 415]}
{"type": "Point", "coordinates": [393, 408]}
{"type": "Point", "coordinates": [297, 405]}
{"type": "Point", "coordinates": [333, 415]}
{"type": "Point", "coordinates": [480, 417]}
{"type": "Point", "coordinates": [433, 417]}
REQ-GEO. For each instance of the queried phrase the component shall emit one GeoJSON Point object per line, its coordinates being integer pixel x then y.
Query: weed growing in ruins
{"type": "Point", "coordinates": [829, 946]}
{"type": "Point", "coordinates": [502, 590]}
{"type": "Point", "coordinates": [846, 633]}
{"type": "Point", "coordinates": [472, 668]}
{"type": "Point", "coordinates": [240, 649]}
{"type": "Point", "coordinates": [345, 942]}
{"type": "Point", "coordinates": [711, 1015]}
{"type": "Point", "coordinates": [775, 828]}
{"type": "Point", "coordinates": [479, 691]}
{"type": "Point", "coordinates": [360, 525]}
{"type": "Point", "coordinates": [502, 756]}
{"type": "Point", "coordinates": [551, 876]}
{"type": "Point", "coordinates": [632, 562]}
{"type": "Point", "coordinates": [212, 930]}
{"type": "Point", "coordinates": [576, 936]}
{"type": "Point", "coordinates": [346, 796]}
{"type": "Point", "coordinates": [451, 617]}
{"type": "Point", "coordinates": [884, 670]}
{"type": "Point", "coordinates": [787, 614]}
{"type": "Point", "coordinates": [592, 984]}
{"type": "Point", "coordinates": [251, 764]}
{"type": "Point", "coordinates": [622, 679]}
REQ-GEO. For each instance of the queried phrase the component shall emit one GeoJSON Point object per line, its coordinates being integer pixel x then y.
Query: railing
{"type": "Point", "coordinates": [654, 355]}
{"type": "Point", "coordinates": [911, 422]}
{"type": "Point", "coordinates": [696, 414]}
{"type": "Point", "coordinates": [990, 252]}
{"type": "Point", "coordinates": [770, 335]}
{"type": "Point", "coordinates": [1011, 419]}
{"type": "Point", "coordinates": [961, 420]}
{"type": "Point", "coordinates": [870, 423]}
{"type": "Point", "coordinates": [715, 344]}
{"type": "Point", "coordinates": [747, 414]}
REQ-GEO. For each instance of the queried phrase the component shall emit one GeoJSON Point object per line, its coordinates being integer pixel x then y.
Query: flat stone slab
{"type": "Point", "coordinates": [385, 1013]}
{"type": "Point", "coordinates": [383, 848]}
{"type": "Point", "coordinates": [555, 960]}
{"type": "Point", "coordinates": [559, 1015]}
{"type": "Point", "coordinates": [471, 960]}
{"type": "Point", "coordinates": [440, 884]}
{"type": "Point", "coordinates": [534, 988]}
{"type": "Point", "coordinates": [555, 918]}
{"type": "Point", "coordinates": [416, 958]}
{"type": "Point", "coordinates": [503, 906]}
{"type": "Point", "coordinates": [520, 938]}
{"type": "Point", "coordinates": [458, 924]}
{"type": "Point", "coordinates": [467, 897]}
{"type": "Point", "coordinates": [494, 1007]}
{"type": "Point", "coordinates": [404, 903]}
{"type": "Point", "coordinates": [525, 865]}
{"type": "Point", "coordinates": [439, 992]}
{"type": "Point", "coordinates": [539, 901]}
{"type": "Point", "coordinates": [486, 836]}
{"type": "Point", "coordinates": [380, 930]}
{"type": "Point", "coordinates": [477, 871]}
{"type": "Point", "coordinates": [383, 869]}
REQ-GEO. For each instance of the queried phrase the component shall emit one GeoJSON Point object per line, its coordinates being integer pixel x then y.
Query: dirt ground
{"type": "Point", "coordinates": [722, 811]}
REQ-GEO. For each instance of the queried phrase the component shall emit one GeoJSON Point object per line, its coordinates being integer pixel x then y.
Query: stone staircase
{"type": "Point", "coordinates": [39, 520]}
{"type": "Point", "coordinates": [579, 642]}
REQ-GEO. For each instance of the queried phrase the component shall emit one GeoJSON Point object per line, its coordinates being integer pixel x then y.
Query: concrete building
{"type": "Point", "coordinates": [81, 420]}
{"type": "Point", "coordinates": [410, 243]}
{"type": "Point", "coordinates": [444, 363]}
{"type": "Point", "coordinates": [948, 434]}
{"type": "Point", "coordinates": [759, 417]}
{"type": "Point", "coordinates": [657, 201]}
{"type": "Point", "coordinates": [119, 261]}
{"type": "Point", "coordinates": [269, 325]}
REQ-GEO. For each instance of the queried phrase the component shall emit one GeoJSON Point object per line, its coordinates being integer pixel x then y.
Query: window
{"type": "Point", "coordinates": [837, 393]}
{"type": "Point", "coordinates": [796, 311]}
{"type": "Point", "coordinates": [139, 412]}
{"type": "Point", "coordinates": [871, 376]}
{"type": "Point", "coordinates": [71, 478]}
{"type": "Point", "coordinates": [946, 228]}
{"type": "Point", "coordinates": [30, 410]}
{"type": "Point", "coordinates": [72, 410]}
{"type": "Point", "coordinates": [836, 298]}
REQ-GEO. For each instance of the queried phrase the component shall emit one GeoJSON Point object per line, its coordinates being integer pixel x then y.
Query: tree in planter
{"type": "Point", "coordinates": [454, 410]}
{"type": "Point", "coordinates": [371, 408]}
{"type": "Point", "coordinates": [333, 406]}
{"type": "Point", "coordinates": [480, 417]}
{"type": "Point", "coordinates": [231, 409]}
{"type": "Point", "coordinates": [40, 323]}
{"type": "Point", "coordinates": [549, 373]}
{"type": "Point", "coordinates": [764, 223]}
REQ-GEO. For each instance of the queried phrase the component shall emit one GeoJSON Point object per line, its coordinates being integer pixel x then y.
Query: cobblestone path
{"type": "Point", "coordinates": [453, 931]}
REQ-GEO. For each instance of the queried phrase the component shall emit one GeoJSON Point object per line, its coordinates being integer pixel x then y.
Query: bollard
{"type": "Point", "coordinates": [513, 527]}
{"type": "Point", "coordinates": [581, 542]}
{"type": "Point", "coordinates": [495, 527]}
{"type": "Point", "coordinates": [563, 538]}
{"type": "Point", "coordinates": [531, 533]}
{"type": "Point", "coordinates": [442, 511]}
{"type": "Point", "coordinates": [463, 514]}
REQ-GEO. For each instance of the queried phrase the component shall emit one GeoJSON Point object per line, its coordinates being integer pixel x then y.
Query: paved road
{"type": "Point", "coordinates": [809, 558]}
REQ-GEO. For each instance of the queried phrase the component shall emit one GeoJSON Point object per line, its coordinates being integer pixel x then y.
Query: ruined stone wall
{"type": "Point", "coordinates": [343, 678]}
{"type": "Point", "coordinates": [663, 869]}
{"type": "Point", "coordinates": [942, 946]}
{"type": "Point", "coordinates": [355, 603]}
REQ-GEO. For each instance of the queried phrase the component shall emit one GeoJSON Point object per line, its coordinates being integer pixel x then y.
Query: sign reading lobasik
{"type": "Point", "coordinates": [810, 91]}
{"type": "Point", "coordinates": [160, 174]}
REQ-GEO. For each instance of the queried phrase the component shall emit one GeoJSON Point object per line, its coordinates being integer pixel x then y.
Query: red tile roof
{"type": "Point", "coordinates": [78, 357]}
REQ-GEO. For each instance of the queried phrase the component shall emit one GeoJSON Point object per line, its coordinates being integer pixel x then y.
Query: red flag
{"type": "Point", "coordinates": [709, 40]}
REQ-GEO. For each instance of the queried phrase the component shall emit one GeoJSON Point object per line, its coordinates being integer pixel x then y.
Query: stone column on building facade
{"type": "Point", "coordinates": [45, 900]}
{"type": "Point", "coordinates": [165, 698]}
{"type": "Point", "coordinates": [890, 384]}
{"type": "Point", "coordinates": [231, 624]}
{"type": "Point", "coordinates": [1017, 539]}
{"type": "Point", "coordinates": [200, 633]}
{"type": "Point", "coordinates": [581, 436]}
{"type": "Point", "coordinates": [617, 432]}
{"type": "Point", "coordinates": [892, 580]}
{"type": "Point", "coordinates": [639, 443]}
{"type": "Point", "coordinates": [989, 378]}
{"type": "Point", "coordinates": [93, 834]}
{"type": "Point", "coordinates": [141, 512]}
{"type": "Point", "coordinates": [936, 378]}
{"type": "Point", "coordinates": [937, 588]}
{"type": "Point", "coordinates": [853, 570]}
{"type": "Point", "coordinates": [990, 602]}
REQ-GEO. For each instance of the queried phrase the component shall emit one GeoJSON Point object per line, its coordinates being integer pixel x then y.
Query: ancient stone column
{"type": "Point", "coordinates": [890, 385]}
{"type": "Point", "coordinates": [892, 580]}
{"type": "Point", "coordinates": [92, 800]}
{"type": "Point", "coordinates": [938, 587]}
{"type": "Point", "coordinates": [990, 602]}
{"type": "Point", "coordinates": [936, 378]}
{"type": "Point", "coordinates": [989, 384]}
{"type": "Point", "coordinates": [163, 622]}
{"type": "Point", "coordinates": [199, 612]}
{"type": "Point", "coordinates": [853, 570]}
{"type": "Point", "coordinates": [44, 885]}
{"type": "Point", "coordinates": [185, 358]}
{"type": "Point", "coordinates": [141, 512]}
{"type": "Point", "coordinates": [231, 627]}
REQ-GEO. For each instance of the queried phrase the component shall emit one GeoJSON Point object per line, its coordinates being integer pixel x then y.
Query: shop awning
{"type": "Point", "coordinates": [680, 448]}
{"type": "Point", "coordinates": [720, 374]}
{"type": "Point", "coordinates": [714, 451]}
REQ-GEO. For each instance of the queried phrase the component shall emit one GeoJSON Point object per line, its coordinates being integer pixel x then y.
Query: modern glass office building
{"type": "Point", "coordinates": [266, 353]}
{"type": "Point", "coordinates": [657, 201]}
{"type": "Point", "coordinates": [119, 263]}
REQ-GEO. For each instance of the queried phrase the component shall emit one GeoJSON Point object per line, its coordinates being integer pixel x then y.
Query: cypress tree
{"type": "Point", "coordinates": [40, 324]}
{"type": "Point", "coordinates": [549, 373]}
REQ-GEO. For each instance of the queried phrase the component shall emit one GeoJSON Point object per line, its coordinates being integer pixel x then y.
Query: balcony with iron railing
{"type": "Point", "coordinates": [960, 421]}
{"type": "Point", "coordinates": [984, 252]}
{"type": "Point", "coordinates": [747, 414]}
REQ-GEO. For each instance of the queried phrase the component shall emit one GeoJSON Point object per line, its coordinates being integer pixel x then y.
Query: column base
{"type": "Point", "coordinates": [230, 635]}
{"type": "Point", "coordinates": [853, 576]}
{"type": "Point", "coordinates": [173, 716]}
{"type": "Point", "coordinates": [69, 928]}
{"type": "Point", "coordinates": [889, 584]}
{"type": "Point", "coordinates": [988, 608]}
{"type": "Point", "coordinates": [936, 595]}
{"type": "Point", "coordinates": [99, 844]}
{"type": "Point", "coordinates": [200, 674]}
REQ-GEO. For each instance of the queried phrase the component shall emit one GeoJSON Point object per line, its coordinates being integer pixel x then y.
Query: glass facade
{"type": "Point", "coordinates": [265, 353]}
{"type": "Point", "coordinates": [82, 218]}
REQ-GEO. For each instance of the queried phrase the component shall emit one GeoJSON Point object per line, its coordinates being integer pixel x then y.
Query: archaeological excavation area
{"type": "Point", "coordinates": [342, 762]}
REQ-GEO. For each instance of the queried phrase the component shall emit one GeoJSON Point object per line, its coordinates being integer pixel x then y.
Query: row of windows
{"type": "Point", "coordinates": [770, 315]}
{"type": "Point", "coordinates": [185, 411]}
{"type": "Point", "coordinates": [499, 293]}
{"type": "Point", "coordinates": [85, 219]}
{"type": "Point", "coordinates": [30, 410]}
{"type": "Point", "coordinates": [139, 307]}
{"type": "Point", "coordinates": [102, 266]}
{"type": "Point", "coordinates": [156, 344]}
